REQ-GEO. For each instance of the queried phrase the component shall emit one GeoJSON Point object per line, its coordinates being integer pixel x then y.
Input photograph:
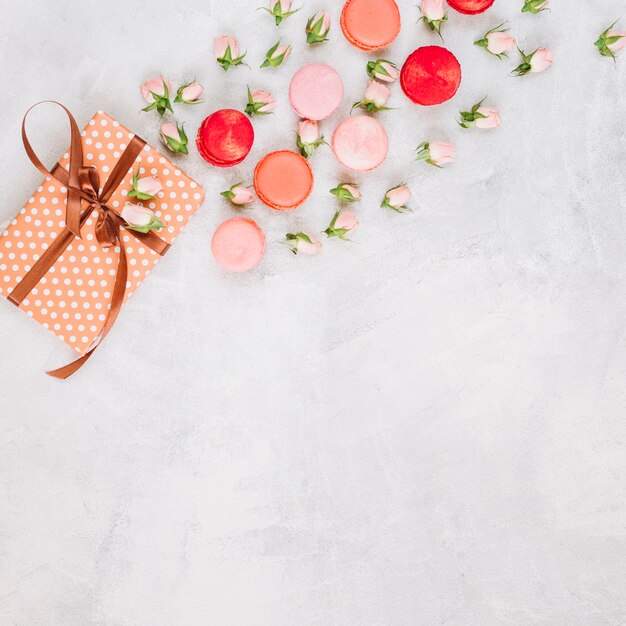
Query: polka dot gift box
{"type": "Point", "coordinates": [74, 296]}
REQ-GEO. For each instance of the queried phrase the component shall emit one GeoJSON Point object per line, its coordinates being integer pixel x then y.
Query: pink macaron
{"type": "Point", "coordinates": [360, 143]}
{"type": "Point", "coordinates": [238, 244]}
{"type": "Point", "coordinates": [316, 91]}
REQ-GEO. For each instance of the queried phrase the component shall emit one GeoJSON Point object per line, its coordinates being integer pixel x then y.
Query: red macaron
{"type": "Point", "coordinates": [430, 75]}
{"type": "Point", "coordinates": [470, 7]}
{"type": "Point", "coordinates": [225, 138]}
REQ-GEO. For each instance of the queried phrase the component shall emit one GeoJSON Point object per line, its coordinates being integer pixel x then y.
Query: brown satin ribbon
{"type": "Point", "coordinates": [83, 188]}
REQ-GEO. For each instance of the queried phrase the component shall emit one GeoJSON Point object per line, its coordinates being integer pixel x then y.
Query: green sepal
{"type": "Point", "coordinates": [155, 224]}
{"type": "Point", "coordinates": [269, 61]}
{"type": "Point", "coordinates": [342, 194]}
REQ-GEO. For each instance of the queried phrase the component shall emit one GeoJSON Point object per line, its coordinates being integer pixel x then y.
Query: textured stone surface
{"type": "Point", "coordinates": [423, 427]}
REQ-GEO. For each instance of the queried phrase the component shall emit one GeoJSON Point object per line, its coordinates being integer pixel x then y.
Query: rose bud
{"type": "Point", "coordinates": [309, 138]}
{"type": "Point", "coordinates": [437, 153]}
{"type": "Point", "coordinates": [189, 93]}
{"type": "Point", "coordinates": [611, 41]}
{"type": "Point", "coordinates": [226, 49]}
{"type": "Point", "coordinates": [537, 61]}
{"type": "Point", "coordinates": [497, 41]}
{"type": "Point", "coordinates": [239, 195]}
{"type": "Point", "coordinates": [174, 138]}
{"type": "Point", "coordinates": [302, 243]}
{"type": "Point", "coordinates": [276, 55]}
{"type": "Point", "coordinates": [140, 218]}
{"type": "Point", "coordinates": [280, 10]}
{"type": "Point", "coordinates": [535, 6]}
{"type": "Point", "coordinates": [156, 92]}
{"type": "Point", "coordinates": [342, 224]}
{"type": "Point", "coordinates": [434, 14]}
{"type": "Point", "coordinates": [259, 102]}
{"type": "Point", "coordinates": [317, 27]}
{"type": "Point", "coordinates": [480, 116]}
{"type": "Point", "coordinates": [146, 188]}
{"type": "Point", "coordinates": [376, 96]}
{"type": "Point", "coordinates": [346, 192]}
{"type": "Point", "coordinates": [383, 70]}
{"type": "Point", "coordinates": [397, 198]}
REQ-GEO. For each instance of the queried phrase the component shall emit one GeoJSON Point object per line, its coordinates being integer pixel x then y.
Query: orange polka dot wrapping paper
{"type": "Point", "coordinates": [73, 298]}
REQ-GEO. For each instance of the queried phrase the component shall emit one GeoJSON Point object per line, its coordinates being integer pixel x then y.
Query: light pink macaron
{"type": "Point", "coordinates": [316, 91]}
{"type": "Point", "coordinates": [238, 245]}
{"type": "Point", "coordinates": [360, 143]}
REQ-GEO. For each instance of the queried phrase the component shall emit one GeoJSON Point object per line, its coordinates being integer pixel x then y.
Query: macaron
{"type": "Point", "coordinates": [360, 143]}
{"type": "Point", "coordinates": [370, 24]}
{"type": "Point", "coordinates": [283, 180]}
{"type": "Point", "coordinates": [470, 7]}
{"type": "Point", "coordinates": [430, 75]}
{"type": "Point", "coordinates": [225, 138]}
{"type": "Point", "coordinates": [316, 91]}
{"type": "Point", "coordinates": [238, 244]}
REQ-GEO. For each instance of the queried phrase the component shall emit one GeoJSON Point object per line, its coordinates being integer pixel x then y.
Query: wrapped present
{"type": "Point", "coordinates": [69, 259]}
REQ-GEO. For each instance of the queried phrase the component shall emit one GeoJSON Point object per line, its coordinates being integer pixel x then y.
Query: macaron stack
{"type": "Point", "coordinates": [370, 24]}
{"type": "Point", "coordinates": [470, 7]}
{"type": "Point", "coordinates": [430, 75]}
{"type": "Point", "coordinates": [225, 138]}
{"type": "Point", "coordinates": [283, 180]}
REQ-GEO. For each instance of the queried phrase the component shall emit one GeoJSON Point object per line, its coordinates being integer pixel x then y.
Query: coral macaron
{"type": "Point", "coordinates": [360, 143]}
{"type": "Point", "coordinates": [283, 180]}
{"type": "Point", "coordinates": [370, 24]}
{"type": "Point", "coordinates": [430, 75]}
{"type": "Point", "coordinates": [238, 245]}
{"type": "Point", "coordinates": [225, 138]}
{"type": "Point", "coordinates": [470, 7]}
{"type": "Point", "coordinates": [316, 91]}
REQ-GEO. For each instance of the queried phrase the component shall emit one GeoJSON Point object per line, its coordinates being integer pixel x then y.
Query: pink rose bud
{"type": "Point", "coordinates": [280, 10]}
{"type": "Point", "coordinates": [189, 93]}
{"type": "Point", "coordinates": [437, 153]}
{"type": "Point", "coordinates": [611, 41]}
{"type": "Point", "coordinates": [221, 45]}
{"type": "Point", "coordinates": [317, 27]}
{"type": "Point", "coordinates": [259, 102]}
{"type": "Point", "coordinates": [174, 138]}
{"type": "Point", "coordinates": [491, 118]}
{"type": "Point", "coordinates": [376, 96]}
{"type": "Point", "coordinates": [309, 131]}
{"type": "Point", "coordinates": [309, 137]}
{"type": "Point", "coordinates": [302, 243]}
{"type": "Point", "coordinates": [226, 49]}
{"type": "Point", "coordinates": [619, 37]}
{"type": "Point", "coordinates": [343, 223]}
{"type": "Point", "coordinates": [538, 61]}
{"type": "Point", "coordinates": [145, 188]}
{"type": "Point", "coordinates": [497, 41]}
{"type": "Point", "coordinates": [239, 195]}
{"type": "Point", "coordinates": [140, 218]}
{"type": "Point", "coordinates": [480, 116]}
{"type": "Point", "coordinates": [157, 92]}
{"type": "Point", "coordinates": [542, 60]}
{"type": "Point", "coordinates": [276, 55]}
{"type": "Point", "coordinates": [397, 199]}
{"type": "Point", "coordinates": [346, 192]}
{"type": "Point", "coordinates": [382, 70]}
{"type": "Point", "coordinates": [434, 14]}
{"type": "Point", "coordinates": [535, 6]}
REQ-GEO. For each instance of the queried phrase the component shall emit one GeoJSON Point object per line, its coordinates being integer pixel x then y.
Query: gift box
{"type": "Point", "coordinates": [73, 285]}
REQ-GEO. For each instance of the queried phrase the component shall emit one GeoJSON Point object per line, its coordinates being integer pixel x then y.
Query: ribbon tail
{"type": "Point", "coordinates": [119, 291]}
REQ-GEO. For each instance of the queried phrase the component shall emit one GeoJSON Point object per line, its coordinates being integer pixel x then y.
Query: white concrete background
{"type": "Point", "coordinates": [423, 427]}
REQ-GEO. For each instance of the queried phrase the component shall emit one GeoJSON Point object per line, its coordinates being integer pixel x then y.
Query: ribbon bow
{"type": "Point", "coordinates": [84, 196]}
